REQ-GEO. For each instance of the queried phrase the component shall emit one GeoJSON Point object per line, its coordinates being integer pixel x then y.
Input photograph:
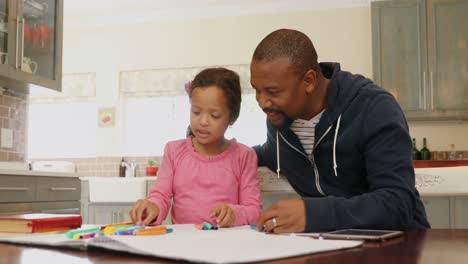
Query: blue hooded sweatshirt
{"type": "Point", "coordinates": [360, 173]}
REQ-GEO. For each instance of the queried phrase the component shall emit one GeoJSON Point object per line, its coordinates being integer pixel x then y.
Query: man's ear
{"type": "Point", "coordinates": [310, 80]}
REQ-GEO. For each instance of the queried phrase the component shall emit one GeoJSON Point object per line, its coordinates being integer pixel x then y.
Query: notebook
{"type": "Point", "coordinates": [35, 223]}
{"type": "Point", "coordinates": [187, 243]}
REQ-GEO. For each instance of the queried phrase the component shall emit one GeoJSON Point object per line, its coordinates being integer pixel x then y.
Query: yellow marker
{"type": "Point", "coordinates": [111, 229]}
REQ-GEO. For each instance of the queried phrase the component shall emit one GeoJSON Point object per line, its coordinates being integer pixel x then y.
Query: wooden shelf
{"type": "Point", "coordinates": [439, 163]}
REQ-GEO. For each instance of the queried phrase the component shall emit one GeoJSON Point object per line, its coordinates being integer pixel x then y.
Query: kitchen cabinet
{"type": "Point", "coordinates": [460, 212]}
{"type": "Point", "coordinates": [420, 56]}
{"type": "Point", "coordinates": [438, 211]}
{"type": "Point", "coordinates": [31, 43]}
{"type": "Point", "coordinates": [39, 194]}
{"type": "Point", "coordinates": [447, 211]}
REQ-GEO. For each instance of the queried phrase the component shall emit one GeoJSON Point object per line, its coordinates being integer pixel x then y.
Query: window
{"type": "Point", "coordinates": [156, 110]}
{"type": "Point", "coordinates": [149, 123]}
{"type": "Point", "coordinates": [63, 130]}
{"type": "Point", "coordinates": [63, 124]}
{"type": "Point", "coordinates": [250, 127]}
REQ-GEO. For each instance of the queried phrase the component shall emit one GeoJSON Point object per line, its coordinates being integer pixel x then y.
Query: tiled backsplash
{"type": "Point", "coordinates": [108, 166]}
{"type": "Point", "coordinates": [13, 115]}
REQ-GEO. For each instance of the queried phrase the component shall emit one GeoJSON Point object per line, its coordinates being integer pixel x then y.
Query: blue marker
{"type": "Point", "coordinates": [254, 227]}
{"type": "Point", "coordinates": [128, 231]}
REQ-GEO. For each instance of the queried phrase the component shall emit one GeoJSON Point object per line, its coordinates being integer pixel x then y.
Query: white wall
{"type": "Point", "coordinates": [342, 35]}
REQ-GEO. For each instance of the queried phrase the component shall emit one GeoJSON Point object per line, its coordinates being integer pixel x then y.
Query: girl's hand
{"type": "Point", "coordinates": [224, 214]}
{"type": "Point", "coordinates": [144, 212]}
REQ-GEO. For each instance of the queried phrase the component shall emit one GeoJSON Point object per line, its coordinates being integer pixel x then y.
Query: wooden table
{"type": "Point", "coordinates": [438, 246]}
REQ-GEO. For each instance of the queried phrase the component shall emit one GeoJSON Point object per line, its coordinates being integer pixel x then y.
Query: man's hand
{"type": "Point", "coordinates": [144, 212]}
{"type": "Point", "coordinates": [224, 214]}
{"type": "Point", "coordinates": [288, 216]}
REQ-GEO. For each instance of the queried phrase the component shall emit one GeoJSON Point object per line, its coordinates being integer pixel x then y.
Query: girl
{"type": "Point", "coordinates": [209, 178]}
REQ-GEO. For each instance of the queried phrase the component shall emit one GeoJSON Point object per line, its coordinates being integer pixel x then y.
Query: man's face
{"type": "Point", "coordinates": [280, 92]}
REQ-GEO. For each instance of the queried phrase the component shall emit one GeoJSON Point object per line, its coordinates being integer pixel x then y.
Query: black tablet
{"type": "Point", "coordinates": [362, 234]}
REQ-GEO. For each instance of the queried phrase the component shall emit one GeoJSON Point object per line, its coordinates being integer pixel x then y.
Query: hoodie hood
{"type": "Point", "coordinates": [339, 98]}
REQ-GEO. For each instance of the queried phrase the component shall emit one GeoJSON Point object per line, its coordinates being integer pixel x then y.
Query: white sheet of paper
{"type": "Point", "coordinates": [227, 245]}
{"type": "Point", "coordinates": [186, 242]}
{"type": "Point", "coordinates": [54, 240]}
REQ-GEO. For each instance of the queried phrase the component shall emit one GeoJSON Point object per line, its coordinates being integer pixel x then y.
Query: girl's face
{"type": "Point", "coordinates": [209, 115]}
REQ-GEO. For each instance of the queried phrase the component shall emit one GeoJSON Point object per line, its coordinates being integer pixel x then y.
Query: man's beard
{"type": "Point", "coordinates": [286, 119]}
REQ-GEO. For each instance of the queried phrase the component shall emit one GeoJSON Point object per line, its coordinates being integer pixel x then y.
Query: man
{"type": "Point", "coordinates": [342, 142]}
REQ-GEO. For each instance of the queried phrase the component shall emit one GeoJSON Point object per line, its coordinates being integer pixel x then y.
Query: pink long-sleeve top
{"type": "Point", "coordinates": [198, 183]}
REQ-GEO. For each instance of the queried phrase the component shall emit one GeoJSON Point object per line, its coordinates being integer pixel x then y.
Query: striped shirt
{"type": "Point", "coordinates": [305, 131]}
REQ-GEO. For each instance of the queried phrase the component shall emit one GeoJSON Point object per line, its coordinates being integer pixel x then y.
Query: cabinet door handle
{"type": "Point", "coordinates": [22, 45]}
{"type": "Point", "coordinates": [58, 189]}
{"type": "Point", "coordinates": [432, 91]}
{"type": "Point", "coordinates": [17, 41]}
{"type": "Point", "coordinates": [424, 91]}
{"type": "Point", "coordinates": [14, 189]}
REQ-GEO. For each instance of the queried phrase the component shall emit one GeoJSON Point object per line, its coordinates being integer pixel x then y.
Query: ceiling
{"type": "Point", "coordinates": [104, 12]}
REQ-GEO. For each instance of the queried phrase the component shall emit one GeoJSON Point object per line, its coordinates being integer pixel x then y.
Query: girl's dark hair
{"type": "Point", "coordinates": [226, 80]}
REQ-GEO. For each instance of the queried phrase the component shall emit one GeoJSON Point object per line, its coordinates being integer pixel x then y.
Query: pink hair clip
{"type": "Point", "coordinates": [187, 86]}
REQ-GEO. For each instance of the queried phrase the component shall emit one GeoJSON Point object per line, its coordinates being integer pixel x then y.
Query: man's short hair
{"type": "Point", "coordinates": [289, 43]}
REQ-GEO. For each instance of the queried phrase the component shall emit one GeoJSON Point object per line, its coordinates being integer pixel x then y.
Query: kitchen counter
{"type": "Point", "coordinates": [9, 172]}
{"type": "Point", "coordinates": [94, 178]}
{"type": "Point", "coordinates": [446, 181]}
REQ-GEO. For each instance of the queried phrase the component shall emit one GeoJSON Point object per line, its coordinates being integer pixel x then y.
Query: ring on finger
{"type": "Point", "coordinates": [275, 223]}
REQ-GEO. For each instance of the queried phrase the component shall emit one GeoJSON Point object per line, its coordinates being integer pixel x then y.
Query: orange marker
{"type": "Point", "coordinates": [159, 230]}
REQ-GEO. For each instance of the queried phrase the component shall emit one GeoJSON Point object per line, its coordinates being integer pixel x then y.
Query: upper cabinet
{"type": "Point", "coordinates": [420, 55]}
{"type": "Point", "coordinates": [31, 43]}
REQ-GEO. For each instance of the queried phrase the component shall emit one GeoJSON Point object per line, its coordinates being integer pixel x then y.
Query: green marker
{"type": "Point", "coordinates": [71, 233]}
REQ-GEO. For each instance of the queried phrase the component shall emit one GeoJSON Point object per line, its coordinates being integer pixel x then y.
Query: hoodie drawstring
{"type": "Point", "coordinates": [335, 165]}
{"type": "Point", "coordinates": [277, 155]}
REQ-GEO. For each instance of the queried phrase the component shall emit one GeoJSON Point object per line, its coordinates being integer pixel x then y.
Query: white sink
{"type": "Point", "coordinates": [116, 189]}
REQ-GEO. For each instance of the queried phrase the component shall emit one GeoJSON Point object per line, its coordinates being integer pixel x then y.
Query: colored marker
{"type": "Point", "coordinates": [72, 233]}
{"type": "Point", "coordinates": [254, 227]}
{"type": "Point", "coordinates": [118, 224]}
{"type": "Point", "coordinates": [128, 231]}
{"type": "Point", "coordinates": [111, 229]}
{"type": "Point", "coordinates": [206, 226]}
{"type": "Point", "coordinates": [153, 231]}
{"type": "Point", "coordinates": [88, 235]}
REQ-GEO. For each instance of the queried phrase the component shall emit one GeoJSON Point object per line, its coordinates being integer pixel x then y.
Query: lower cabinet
{"type": "Point", "coordinates": [460, 211]}
{"type": "Point", "coordinates": [21, 194]}
{"type": "Point", "coordinates": [70, 207]}
{"type": "Point", "coordinates": [447, 211]}
{"type": "Point", "coordinates": [16, 208]}
{"type": "Point", "coordinates": [438, 211]}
